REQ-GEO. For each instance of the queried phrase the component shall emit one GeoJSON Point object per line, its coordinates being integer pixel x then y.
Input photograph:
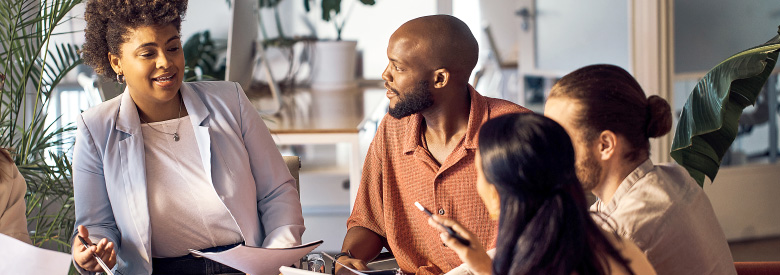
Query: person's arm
{"type": "Point", "coordinates": [365, 235]}
{"type": "Point", "coordinates": [363, 245]}
{"type": "Point", "coordinates": [474, 255]}
{"type": "Point", "coordinates": [13, 221]}
{"type": "Point", "coordinates": [277, 197]}
{"type": "Point", "coordinates": [92, 206]}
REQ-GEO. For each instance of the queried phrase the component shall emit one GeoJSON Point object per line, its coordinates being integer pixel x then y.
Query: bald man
{"type": "Point", "coordinates": [424, 151]}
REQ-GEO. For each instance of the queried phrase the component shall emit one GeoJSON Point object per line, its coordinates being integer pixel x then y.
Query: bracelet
{"type": "Point", "coordinates": [336, 258]}
{"type": "Point", "coordinates": [348, 254]}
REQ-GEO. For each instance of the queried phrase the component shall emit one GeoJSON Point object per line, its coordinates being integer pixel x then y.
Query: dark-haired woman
{"type": "Point", "coordinates": [526, 178]}
{"type": "Point", "coordinates": [169, 166]}
{"type": "Point", "coordinates": [13, 221]}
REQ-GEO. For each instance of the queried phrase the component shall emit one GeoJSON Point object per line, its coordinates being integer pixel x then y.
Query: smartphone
{"type": "Point", "coordinates": [449, 229]}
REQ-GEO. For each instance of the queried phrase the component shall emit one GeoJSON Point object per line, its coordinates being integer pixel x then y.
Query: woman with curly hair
{"type": "Point", "coordinates": [526, 178]}
{"type": "Point", "coordinates": [169, 166]}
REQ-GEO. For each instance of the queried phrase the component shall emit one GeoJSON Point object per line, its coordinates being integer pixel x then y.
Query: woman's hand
{"type": "Point", "coordinates": [83, 255]}
{"type": "Point", "coordinates": [473, 255]}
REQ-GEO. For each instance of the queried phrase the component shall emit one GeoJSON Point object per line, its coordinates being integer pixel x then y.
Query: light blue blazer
{"type": "Point", "coordinates": [238, 154]}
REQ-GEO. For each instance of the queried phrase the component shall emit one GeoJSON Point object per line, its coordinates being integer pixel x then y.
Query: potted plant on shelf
{"type": "Point", "coordinates": [333, 64]}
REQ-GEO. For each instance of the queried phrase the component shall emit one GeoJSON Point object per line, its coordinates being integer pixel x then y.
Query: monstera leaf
{"type": "Point", "coordinates": [709, 120]}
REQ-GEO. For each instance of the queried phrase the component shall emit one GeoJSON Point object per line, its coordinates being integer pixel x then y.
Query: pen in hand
{"type": "Point", "coordinates": [100, 261]}
{"type": "Point", "coordinates": [450, 231]}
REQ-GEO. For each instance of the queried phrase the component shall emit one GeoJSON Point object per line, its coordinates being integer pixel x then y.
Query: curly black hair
{"type": "Point", "coordinates": [108, 22]}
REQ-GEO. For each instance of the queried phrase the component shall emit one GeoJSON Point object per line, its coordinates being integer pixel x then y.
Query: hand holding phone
{"type": "Point", "coordinates": [450, 231]}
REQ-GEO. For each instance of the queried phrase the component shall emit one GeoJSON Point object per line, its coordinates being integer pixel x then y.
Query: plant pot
{"type": "Point", "coordinates": [333, 65]}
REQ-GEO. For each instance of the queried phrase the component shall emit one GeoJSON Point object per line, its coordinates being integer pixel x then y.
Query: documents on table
{"type": "Point", "coordinates": [18, 257]}
{"type": "Point", "coordinates": [258, 260]}
{"type": "Point", "coordinates": [286, 270]}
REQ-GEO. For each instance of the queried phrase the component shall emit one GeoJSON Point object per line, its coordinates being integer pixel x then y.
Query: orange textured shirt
{"type": "Point", "coordinates": [399, 171]}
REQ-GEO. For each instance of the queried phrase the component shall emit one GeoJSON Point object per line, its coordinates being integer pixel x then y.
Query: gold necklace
{"type": "Point", "coordinates": [178, 122]}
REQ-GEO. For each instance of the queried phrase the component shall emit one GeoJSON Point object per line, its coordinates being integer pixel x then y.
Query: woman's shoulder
{"type": "Point", "coordinates": [100, 112]}
{"type": "Point", "coordinates": [212, 87]}
{"type": "Point", "coordinates": [637, 260]}
{"type": "Point", "coordinates": [209, 92]}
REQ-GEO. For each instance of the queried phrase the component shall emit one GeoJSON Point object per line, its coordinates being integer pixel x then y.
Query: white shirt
{"type": "Point", "coordinates": [668, 216]}
{"type": "Point", "coordinates": [184, 208]}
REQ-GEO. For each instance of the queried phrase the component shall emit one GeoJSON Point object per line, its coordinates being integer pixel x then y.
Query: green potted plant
{"type": "Point", "coordinates": [709, 120]}
{"type": "Point", "coordinates": [333, 62]}
{"type": "Point", "coordinates": [33, 66]}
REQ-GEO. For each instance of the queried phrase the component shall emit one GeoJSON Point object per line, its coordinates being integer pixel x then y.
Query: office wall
{"type": "Point", "coordinates": [571, 34]}
{"type": "Point", "coordinates": [708, 31]}
{"type": "Point", "coordinates": [745, 200]}
{"type": "Point", "coordinates": [206, 15]}
{"type": "Point", "coordinates": [500, 16]}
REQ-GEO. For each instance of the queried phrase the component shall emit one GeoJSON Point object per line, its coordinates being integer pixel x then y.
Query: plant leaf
{"type": "Point", "coordinates": [709, 119]}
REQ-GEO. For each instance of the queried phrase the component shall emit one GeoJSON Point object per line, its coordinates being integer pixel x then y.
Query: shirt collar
{"type": "Point", "coordinates": [128, 118]}
{"type": "Point", "coordinates": [478, 115]}
{"type": "Point", "coordinates": [626, 185]}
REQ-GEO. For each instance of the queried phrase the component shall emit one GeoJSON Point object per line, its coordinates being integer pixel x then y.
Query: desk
{"type": "Point", "coordinates": [327, 117]}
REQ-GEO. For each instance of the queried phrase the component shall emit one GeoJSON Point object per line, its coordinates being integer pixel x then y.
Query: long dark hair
{"type": "Point", "coordinates": [544, 224]}
{"type": "Point", "coordinates": [613, 100]}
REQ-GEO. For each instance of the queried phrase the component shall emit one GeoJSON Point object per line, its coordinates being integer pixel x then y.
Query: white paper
{"type": "Point", "coordinates": [17, 257]}
{"type": "Point", "coordinates": [286, 270]}
{"type": "Point", "coordinates": [258, 260]}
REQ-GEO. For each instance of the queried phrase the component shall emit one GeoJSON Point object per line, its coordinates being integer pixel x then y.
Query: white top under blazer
{"type": "Point", "coordinates": [238, 155]}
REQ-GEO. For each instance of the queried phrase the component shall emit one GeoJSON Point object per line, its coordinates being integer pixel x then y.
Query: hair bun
{"type": "Point", "coordinates": [659, 116]}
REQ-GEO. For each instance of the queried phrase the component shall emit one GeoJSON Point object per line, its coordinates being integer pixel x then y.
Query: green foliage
{"type": "Point", "coordinates": [332, 8]}
{"type": "Point", "coordinates": [32, 68]}
{"type": "Point", "coordinates": [200, 51]}
{"type": "Point", "coordinates": [708, 123]}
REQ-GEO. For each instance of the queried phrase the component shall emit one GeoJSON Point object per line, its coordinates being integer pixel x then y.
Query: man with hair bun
{"type": "Point", "coordinates": [659, 207]}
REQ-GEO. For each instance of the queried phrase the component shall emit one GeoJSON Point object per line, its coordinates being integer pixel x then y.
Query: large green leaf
{"type": "Point", "coordinates": [708, 123]}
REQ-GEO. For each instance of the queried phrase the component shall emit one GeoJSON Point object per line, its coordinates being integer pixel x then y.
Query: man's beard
{"type": "Point", "coordinates": [414, 101]}
{"type": "Point", "coordinates": [588, 171]}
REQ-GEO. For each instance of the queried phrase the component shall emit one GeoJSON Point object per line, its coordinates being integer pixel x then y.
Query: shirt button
{"type": "Point", "coordinates": [441, 211]}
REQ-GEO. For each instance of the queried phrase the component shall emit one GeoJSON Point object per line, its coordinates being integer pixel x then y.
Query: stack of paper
{"type": "Point", "coordinates": [258, 260]}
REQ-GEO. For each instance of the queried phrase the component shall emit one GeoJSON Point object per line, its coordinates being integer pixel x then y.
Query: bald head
{"type": "Point", "coordinates": [440, 41]}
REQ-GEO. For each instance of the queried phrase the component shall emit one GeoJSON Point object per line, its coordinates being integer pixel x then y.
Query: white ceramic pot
{"type": "Point", "coordinates": [333, 65]}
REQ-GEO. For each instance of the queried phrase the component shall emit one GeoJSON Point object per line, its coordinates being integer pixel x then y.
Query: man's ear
{"type": "Point", "coordinates": [116, 64]}
{"type": "Point", "coordinates": [607, 145]}
{"type": "Point", "coordinates": [441, 78]}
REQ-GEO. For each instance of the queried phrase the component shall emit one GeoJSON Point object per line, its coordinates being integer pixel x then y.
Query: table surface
{"type": "Point", "coordinates": [307, 111]}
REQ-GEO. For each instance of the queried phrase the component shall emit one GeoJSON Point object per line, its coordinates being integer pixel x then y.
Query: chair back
{"type": "Point", "coordinates": [294, 165]}
{"type": "Point", "coordinates": [757, 268]}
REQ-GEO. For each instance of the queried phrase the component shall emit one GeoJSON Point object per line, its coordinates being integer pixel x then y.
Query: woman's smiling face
{"type": "Point", "coordinates": [152, 63]}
